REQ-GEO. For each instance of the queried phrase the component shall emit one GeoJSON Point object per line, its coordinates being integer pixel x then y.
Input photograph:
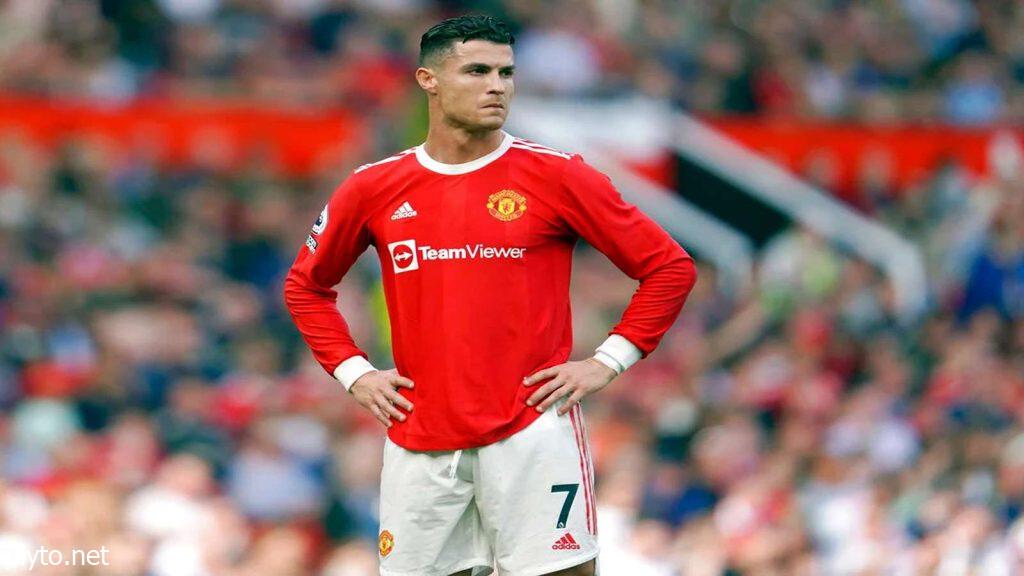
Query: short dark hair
{"type": "Point", "coordinates": [440, 37]}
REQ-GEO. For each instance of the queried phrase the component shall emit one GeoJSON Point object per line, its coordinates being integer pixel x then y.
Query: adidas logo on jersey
{"type": "Point", "coordinates": [566, 542]}
{"type": "Point", "coordinates": [404, 211]}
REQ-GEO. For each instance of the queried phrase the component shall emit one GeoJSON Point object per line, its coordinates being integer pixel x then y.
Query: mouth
{"type": "Point", "coordinates": [495, 106]}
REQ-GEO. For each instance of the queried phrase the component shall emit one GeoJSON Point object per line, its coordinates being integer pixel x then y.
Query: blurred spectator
{"type": "Point", "coordinates": [950, 59]}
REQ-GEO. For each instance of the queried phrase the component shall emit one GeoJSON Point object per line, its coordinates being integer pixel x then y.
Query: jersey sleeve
{"type": "Point", "coordinates": [339, 236]}
{"type": "Point", "coordinates": [596, 212]}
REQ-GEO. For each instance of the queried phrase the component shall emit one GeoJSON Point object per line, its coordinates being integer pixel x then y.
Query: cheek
{"type": "Point", "coordinates": [448, 98]}
{"type": "Point", "coordinates": [458, 98]}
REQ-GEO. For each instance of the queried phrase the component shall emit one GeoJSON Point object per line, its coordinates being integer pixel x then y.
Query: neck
{"type": "Point", "coordinates": [453, 145]}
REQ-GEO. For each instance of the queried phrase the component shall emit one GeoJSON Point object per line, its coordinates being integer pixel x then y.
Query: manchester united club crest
{"type": "Point", "coordinates": [386, 543]}
{"type": "Point", "coordinates": [506, 205]}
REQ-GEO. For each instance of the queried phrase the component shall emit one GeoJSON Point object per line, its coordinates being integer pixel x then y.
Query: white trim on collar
{"type": "Point", "coordinates": [452, 169]}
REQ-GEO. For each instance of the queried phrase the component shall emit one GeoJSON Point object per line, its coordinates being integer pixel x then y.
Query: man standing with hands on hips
{"type": "Point", "coordinates": [487, 462]}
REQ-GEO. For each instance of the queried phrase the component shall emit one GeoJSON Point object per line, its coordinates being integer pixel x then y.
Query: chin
{"type": "Point", "coordinates": [492, 123]}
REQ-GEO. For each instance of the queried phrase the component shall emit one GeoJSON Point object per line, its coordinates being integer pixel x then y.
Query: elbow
{"type": "Point", "coordinates": [296, 290]}
{"type": "Point", "coordinates": [676, 271]}
{"type": "Point", "coordinates": [689, 273]}
{"type": "Point", "coordinates": [301, 293]}
{"type": "Point", "coordinates": [289, 290]}
{"type": "Point", "coordinates": [683, 272]}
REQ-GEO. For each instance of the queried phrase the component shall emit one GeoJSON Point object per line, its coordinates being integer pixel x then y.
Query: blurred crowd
{"type": "Point", "coordinates": [157, 401]}
{"type": "Point", "coordinates": [957, 61]}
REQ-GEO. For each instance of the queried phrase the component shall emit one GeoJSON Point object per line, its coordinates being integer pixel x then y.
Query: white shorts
{"type": "Point", "coordinates": [523, 505]}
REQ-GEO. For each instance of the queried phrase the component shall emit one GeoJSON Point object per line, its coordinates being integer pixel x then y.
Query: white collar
{"type": "Point", "coordinates": [466, 167]}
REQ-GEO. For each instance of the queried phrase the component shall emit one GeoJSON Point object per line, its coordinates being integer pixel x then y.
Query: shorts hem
{"type": "Point", "coordinates": [481, 562]}
{"type": "Point", "coordinates": [554, 566]}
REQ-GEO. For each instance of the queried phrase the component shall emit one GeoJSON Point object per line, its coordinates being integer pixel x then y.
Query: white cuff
{"type": "Point", "coordinates": [618, 353]}
{"type": "Point", "coordinates": [350, 370]}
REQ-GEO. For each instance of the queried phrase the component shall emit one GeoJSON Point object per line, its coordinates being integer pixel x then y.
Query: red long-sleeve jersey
{"type": "Point", "coordinates": [476, 260]}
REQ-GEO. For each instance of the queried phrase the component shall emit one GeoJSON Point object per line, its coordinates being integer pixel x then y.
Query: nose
{"type": "Point", "coordinates": [495, 85]}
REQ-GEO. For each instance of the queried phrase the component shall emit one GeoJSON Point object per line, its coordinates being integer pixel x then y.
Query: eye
{"type": "Point", "coordinates": [507, 73]}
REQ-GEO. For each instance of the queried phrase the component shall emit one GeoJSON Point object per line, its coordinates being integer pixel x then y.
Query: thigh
{"type": "Point", "coordinates": [429, 523]}
{"type": "Point", "coordinates": [535, 495]}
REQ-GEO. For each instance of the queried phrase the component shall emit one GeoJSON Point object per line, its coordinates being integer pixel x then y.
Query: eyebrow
{"type": "Point", "coordinates": [487, 67]}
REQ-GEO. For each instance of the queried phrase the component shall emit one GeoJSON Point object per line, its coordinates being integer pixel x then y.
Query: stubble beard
{"type": "Point", "coordinates": [475, 125]}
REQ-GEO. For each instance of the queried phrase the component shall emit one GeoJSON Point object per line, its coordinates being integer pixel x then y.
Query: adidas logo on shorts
{"type": "Point", "coordinates": [565, 543]}
{"type": "Point", "coordinates": [404, 211]}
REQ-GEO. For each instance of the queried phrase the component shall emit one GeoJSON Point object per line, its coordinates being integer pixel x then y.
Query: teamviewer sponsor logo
{"type": "Point", "coordinates": [406, 256]}
{"type": "Point", "coordinates": [471, 252]}
{"type": "Point", "coordinates": [403, 256]}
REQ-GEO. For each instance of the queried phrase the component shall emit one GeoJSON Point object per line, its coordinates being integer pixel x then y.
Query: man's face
{"type": "Point", "coordinates": [474, 84]}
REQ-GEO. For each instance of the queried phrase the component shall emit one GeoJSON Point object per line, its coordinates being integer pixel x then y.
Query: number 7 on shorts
{"type": "Point", "coordinates": [570, 495]}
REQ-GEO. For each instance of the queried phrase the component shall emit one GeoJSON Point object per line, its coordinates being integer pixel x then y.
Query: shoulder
{"type": "Point", "coordinates": [562, 165]}
{"type": "Point", "coordinates": [541, 153]}
{"type": "Point", "coordinates": [568, 168]}
{"type": "Point", "coordinates": [361, 184]}
{"type": "Point", "coordinates": [366, 181]}
{"type": "Point", "coordinates": [386, 166]}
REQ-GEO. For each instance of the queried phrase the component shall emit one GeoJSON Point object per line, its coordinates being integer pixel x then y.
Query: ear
{"type": "Point", "coordinates": [427, 80]}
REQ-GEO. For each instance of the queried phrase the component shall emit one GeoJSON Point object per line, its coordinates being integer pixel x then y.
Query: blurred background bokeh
{"type": "Point", "coordinates": [161, 162]}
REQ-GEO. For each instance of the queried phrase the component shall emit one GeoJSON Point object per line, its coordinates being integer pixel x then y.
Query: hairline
{"type": "Point", "coordinates": [441, 54]}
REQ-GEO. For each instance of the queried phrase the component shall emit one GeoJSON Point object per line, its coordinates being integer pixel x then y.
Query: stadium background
{"type": "Point", "coordinates": [161, 162]}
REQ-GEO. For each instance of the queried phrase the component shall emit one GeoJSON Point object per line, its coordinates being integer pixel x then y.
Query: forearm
{"type": "Point", "coordinates": [652, 310]}
{"type": "Point", "coordinates": [315, 313]}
